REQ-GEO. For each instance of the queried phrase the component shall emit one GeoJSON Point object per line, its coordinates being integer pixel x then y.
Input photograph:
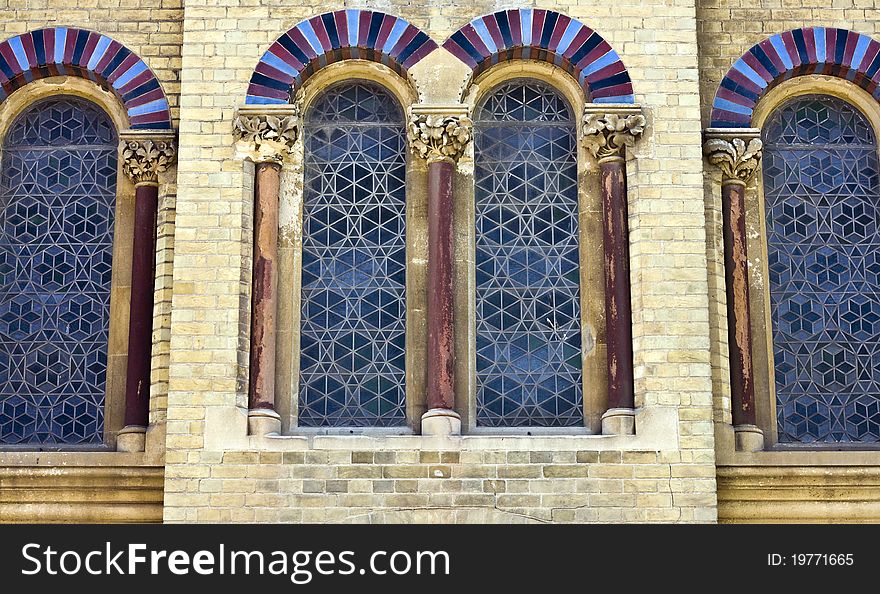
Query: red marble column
{"type": "Point", "coordinates": [144, 154]}
{"type": "Point", "coordinates": [441, 344]}
{"type": "Point", "coordinates": [140, 328]}
{"type": "Point", "coordinates": [439, 134]}
{"type": "Point", "coordinates": [618, 309]}
{"type": "Point", "coordinates": [739, 331]}
{"type": "Point", "coordinates": [608, 130]}
{"type": "Point", "coordinates": [737, 152]}
{"type": "Point", "coordinates": [267, 183]}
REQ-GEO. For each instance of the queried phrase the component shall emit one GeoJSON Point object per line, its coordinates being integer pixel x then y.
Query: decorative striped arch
{"type": "Point", "coordinates": [812, 50]}
{"type": "Point", "coordinates": [547, 36]}
{"type": "Point", "coordinates": [68, 51]}
{"type": "Point", "coordinates": [331, 37]}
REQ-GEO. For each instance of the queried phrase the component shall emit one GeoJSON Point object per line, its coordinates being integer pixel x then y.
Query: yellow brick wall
{"type": "Point", "coordinates": [676, 51]}
{"type": "Point", "coordinates": [214, 473]}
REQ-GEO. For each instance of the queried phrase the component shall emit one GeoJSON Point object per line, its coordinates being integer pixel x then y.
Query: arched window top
{"type": "Point", "coordinates": [61, 121]}
{"type": "Point", "coordinates": [812, 50]}
{"type": "Point", "coordinates": [355, 102]}
{"type": "Point", "coordinates": [332, 37]}
{"type": "Point", "coordinates": [545, 36]}
{"type": "Point", "coordinates": [817, 120]}
{"type": "Point", "coordinates": [65, 51]}
{"type": "Point", "coordinates": [524, 100]}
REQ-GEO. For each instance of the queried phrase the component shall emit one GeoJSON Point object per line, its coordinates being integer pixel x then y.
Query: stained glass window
{"type": "Point", "coordinates": [527, 265]}
{"type": "Point", "coordinates": [353, 330]}
{"type": "Point", "coordinates": [57, 199]}
{"type": "Point", "coordinates": [821, 194]}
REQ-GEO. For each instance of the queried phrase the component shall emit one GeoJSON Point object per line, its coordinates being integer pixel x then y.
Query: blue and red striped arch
{"type": "Point", "coordinates": [813, 50]}
{"type": "Point", "coordinates": [63, 51]}
{"type": "Point", "coordinates": [331, 37]}
{"type": "Point", "coordinates": [548, 36]}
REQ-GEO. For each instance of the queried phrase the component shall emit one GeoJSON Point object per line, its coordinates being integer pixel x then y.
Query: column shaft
{"type": "Point", "coordinates": [140, 328]}
{"type": "Point", "coordinates": [618, 314]}
{"type": "Point", "coordinates": [265, 286]}
{"type": "Point", "coordinates": [739, 333]}
{"type": "Point", "coordinates": [441, 342]}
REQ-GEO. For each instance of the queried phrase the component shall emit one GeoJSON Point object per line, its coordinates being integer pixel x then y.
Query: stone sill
{"type": "Point", "coordinates": [656, 429]}
{"type": "Point", "coordinates": [77, 459]}
{"type": "Point", "coordinates": [803, 458]}
{"type": "Point", "coordinates": [786, 456]}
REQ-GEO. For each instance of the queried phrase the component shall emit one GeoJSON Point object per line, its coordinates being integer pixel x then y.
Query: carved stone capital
{"type": "Point", "coordinates": [266, 133]}
{"type": "Point", "coordinates": [736, 151]}
{"type": "Point", "coordinates": [145, 154]}
{"type": "Point", "coordinates": [610, 128]}
{"type": "Point", "coordinates": [438, 132]}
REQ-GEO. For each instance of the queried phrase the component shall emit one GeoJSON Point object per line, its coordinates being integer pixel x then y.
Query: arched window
{"type": "Point", "coordinates": [353, 330]}
{"type": "Point", "coordinates": [529, 370]}
{"type": "Point", "coordinates": [821, 202]}
{"type": "Point", "coordinates": [57, 204]}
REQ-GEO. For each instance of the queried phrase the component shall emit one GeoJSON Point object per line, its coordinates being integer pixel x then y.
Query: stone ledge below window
{"type": "Point", "coordinates": [79, 487]}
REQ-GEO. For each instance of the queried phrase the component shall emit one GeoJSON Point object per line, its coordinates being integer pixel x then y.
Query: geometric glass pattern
{"type": "Point", "coordinates": [66, 51]}
{"type": "Point", "coordinates": [57, 200]}
{"type": "Point", "coordinates": [331, 37]}
{"type": "Point", "coordinates": [546, 36]}
{"type": "Point", "coordinates": [527, 265]}
{"type": "Point", "coordinates": [821, 193]}
{"type": "Point", "coordinates": [811, 50]}
{"type": "Point", "coordinates": [353, 332]}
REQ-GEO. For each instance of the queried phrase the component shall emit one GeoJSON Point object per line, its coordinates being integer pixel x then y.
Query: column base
{"type": "Point", "coordinates": [748, 438]}
{"type": "Point", "coordinates": [263, 421]}
{"type": "Point", "coordinates": [619, 421]}
{"type": "Point", "coordinates": [132, 438]}
{"type": "Point", "coordinates": [441, 421]}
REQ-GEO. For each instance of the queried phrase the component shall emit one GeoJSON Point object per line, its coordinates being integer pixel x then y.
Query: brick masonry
{"type": "Point", "coordinates": [204, 51]}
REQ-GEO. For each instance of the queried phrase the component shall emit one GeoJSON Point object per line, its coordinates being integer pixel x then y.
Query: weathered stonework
{"type": "Point", "coordinates": [608, 133]}
{"type": "Point", "coordinates": [736, 153]}
{"type": "Point", "coordinates": [200, 464]}
{"type": "Point", "coordinates": [264, 134]}
{"type": "Point", "coordinates": [144, 156]}
{"type": "Point", "coordinates": [435, 134]}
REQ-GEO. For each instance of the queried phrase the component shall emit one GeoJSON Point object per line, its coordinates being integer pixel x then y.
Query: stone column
{"type": "Point", "coordinates": [265, 135]}
{"type": "Point", "coordinates": [737, 152]}
{"type": "Point", "coordinates": [439, 134]}
{"type": "Point", "coordinates": [608, 130]}
{"type": "Point", "coordinates": [144, 155]}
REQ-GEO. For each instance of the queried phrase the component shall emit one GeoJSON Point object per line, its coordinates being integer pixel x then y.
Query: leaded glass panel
{"type": "Point", "coordinates": [57, 203]}
{"type": "Point", "coordinates": [353, 332]}
{"type": "Point", "coordinates": [527, 263]}
{"type": "Point", "coordinates": [821, 195]}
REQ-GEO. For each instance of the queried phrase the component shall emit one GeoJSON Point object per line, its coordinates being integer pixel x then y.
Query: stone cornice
{"type": "Point", "coordinates": [610, 128]}
{"type": "Point", "coordinates": [145, 154]}
{"type": "Point", "coordinates": [735, 151]}
{"type": "Point", "coordinates": [439, 132]}
{"type": "Point", "coordinates": [266, 133]}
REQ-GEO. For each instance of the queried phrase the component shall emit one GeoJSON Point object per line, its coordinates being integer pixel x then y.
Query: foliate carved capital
{"type": "Point", "coordinates": [736, 151]}
{"type": "Point", "coordinates": [609, 129]}
{"type": "Point", "coordinates": [266, 133]}
{"type": "Point", "coordinates": [439, 133]}
{"type": "Point", "coordinates": [145, 154]}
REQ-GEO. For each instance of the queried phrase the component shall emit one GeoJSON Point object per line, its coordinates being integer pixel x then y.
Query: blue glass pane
{"type": "Point", "coordinates": [528, 280]}
{"type": "Point", "coordinates": [57, 200]}
{"type": "Point", "coordinates": [821, 190]}
{"type": "Point", "coordinates": [353, 333]}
